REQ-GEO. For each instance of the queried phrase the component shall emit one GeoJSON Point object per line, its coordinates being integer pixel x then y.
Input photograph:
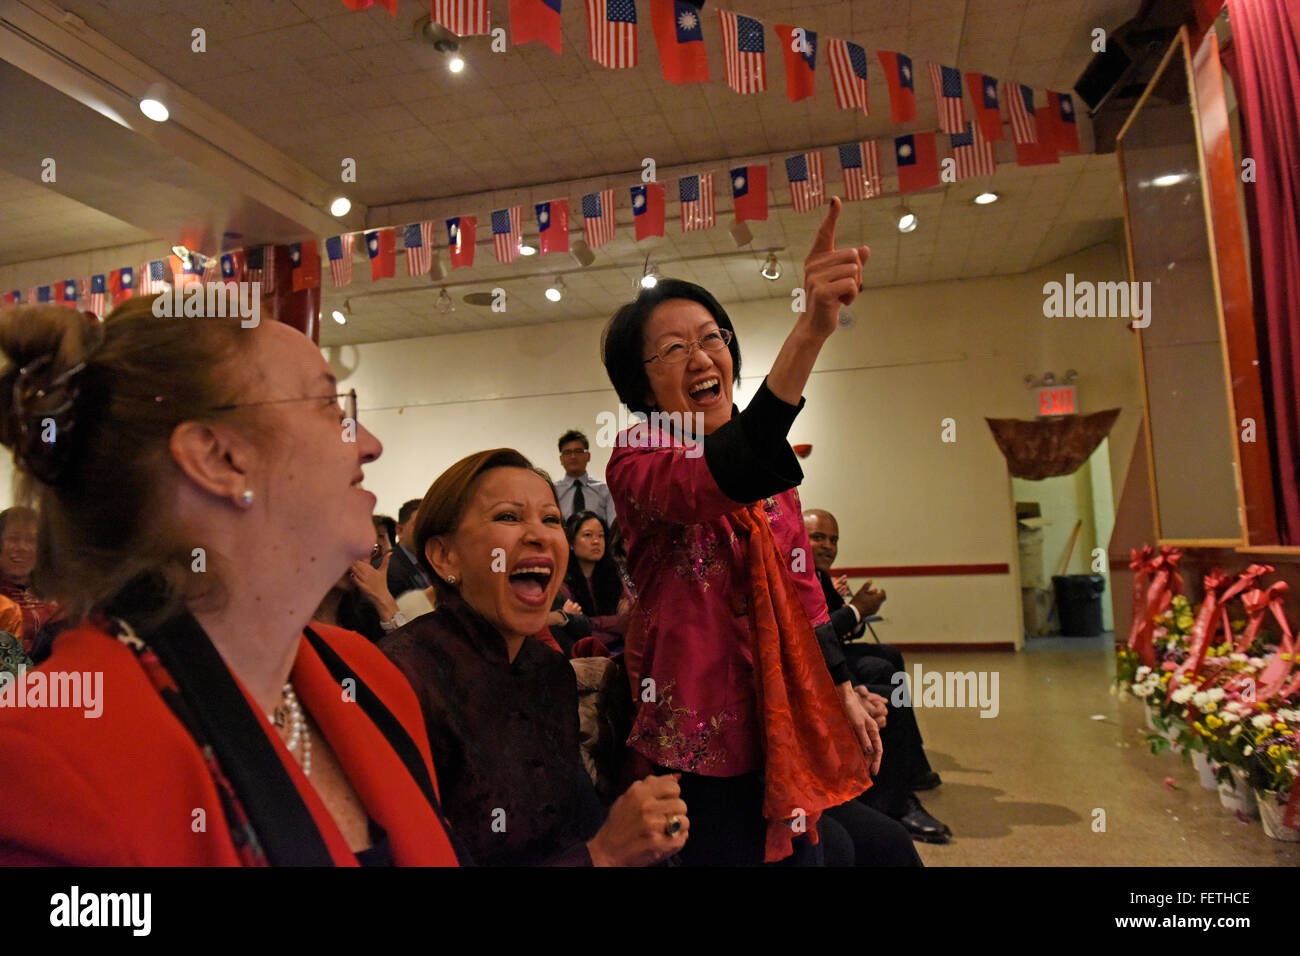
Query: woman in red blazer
{"type": "Point", "coordinates": [199, 490]}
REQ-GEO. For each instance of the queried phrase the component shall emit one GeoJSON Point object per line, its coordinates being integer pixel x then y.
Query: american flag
{"type": "Point", "coordinates": [807, 181]}
{"type": "Point", "coordinates": [611, 27]}
{"type": "Point", "coordinates": [742, 47]}
{"type": "Point", "coordinates": [1020, 101]}
{"type": "Point", "coordinates": [947, 94]}
{"type": "Point", "coordinates": [973, 153]}
{"type": "Point", "coordinates": [98, 294]}
{"type": "Point", "coordinates": [696, 195]}
{"type": "Point", "coordinates": [418, 240]}
{"type": "Point", "coordinates": [860, 163]}
{"type": "Point", "coordinates": [155, 276]}
{"type": "Point", "coordinates": [598, 217]}
{"type": "Point", "coordinates": [462, 17]}
{"type": "Point", "coordinates": [849, 74]}
{"type": "Point", "coordinates": [339, 251]}
{"type": "Point", "coordinates": [507, 230]}
{"type": "Point", "coordinates": [261, 267]}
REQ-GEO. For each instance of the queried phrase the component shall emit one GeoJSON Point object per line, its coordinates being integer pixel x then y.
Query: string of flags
{"type": "Point", "coordinates": [916, 158]}
{"type": "Point", "coordinates": [678, 30]}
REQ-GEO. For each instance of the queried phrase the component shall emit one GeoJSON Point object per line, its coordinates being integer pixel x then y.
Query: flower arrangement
{"type": "Point", "coordinates": [1219, 687]}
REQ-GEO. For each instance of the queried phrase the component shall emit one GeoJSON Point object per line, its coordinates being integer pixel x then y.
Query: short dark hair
{"type": "Point", "coordinates": [388, 525]}
{"type": "Point", "coordinates": [623, 341]}
{"type": "Point", "coordinates": [573, 435]}
{"type": "Point", "coordinates": [18, 514]}
{"type": "Point", "coordinates": [405, 512]}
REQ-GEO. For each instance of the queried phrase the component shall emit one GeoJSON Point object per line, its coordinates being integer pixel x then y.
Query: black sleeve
{"type": "Point", "coordinates": [749, 457]}
{"type": "Point", "coordinates": [845, 622]}
{"type": "Point", "coordinates": [833, 654]}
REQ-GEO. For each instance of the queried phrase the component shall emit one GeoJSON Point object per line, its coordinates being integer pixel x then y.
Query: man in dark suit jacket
{"type": "Point", "coordinates": [905, 768]}
{"type": "Point", "coordinates": [404, 573]}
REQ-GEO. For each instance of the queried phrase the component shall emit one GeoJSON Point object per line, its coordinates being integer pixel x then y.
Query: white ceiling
{"type": "Point", "coordinates": [319, 83]}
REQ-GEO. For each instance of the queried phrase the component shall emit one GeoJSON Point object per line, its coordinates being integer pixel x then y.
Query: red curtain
{"type": "Point", "coordinates": [1265, 67]}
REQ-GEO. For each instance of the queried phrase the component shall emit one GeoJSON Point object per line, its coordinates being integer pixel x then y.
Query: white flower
{"type": "Point", "coordinates": [1228, 717]}
{"type": "Point", "coordinates": [1262, 721]}
{"type": "Point", "coordinates": [1216, 693]}
{"type": "Point", "coordinates": [1183, 694]}
{"type": "Point", "coordinates": [1142, 673]}
{"type": "Point", "coordinates": [1287, 713]}
{"type": "Point", "coordinates": [1239, 658]}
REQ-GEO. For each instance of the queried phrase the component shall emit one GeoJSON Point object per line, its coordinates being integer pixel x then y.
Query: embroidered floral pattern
{"type": "Point", "coordinates": [772, 508]}
{"type": "Point", "coordinates": [678, 736]}
{"type": "Point", "coordinates": [695, 554]}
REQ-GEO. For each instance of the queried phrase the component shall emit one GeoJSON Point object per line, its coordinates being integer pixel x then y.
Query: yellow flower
{"type": "Point", "coordinates": [1213, 722]}
{"type": "Point", "coordinates": [1281, 727]}
{"type": "Point", "coordinates": [1184, 622]}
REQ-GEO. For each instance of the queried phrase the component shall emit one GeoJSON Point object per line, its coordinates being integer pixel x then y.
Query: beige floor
{"type": "Point", "coordinates": [1023, 788]}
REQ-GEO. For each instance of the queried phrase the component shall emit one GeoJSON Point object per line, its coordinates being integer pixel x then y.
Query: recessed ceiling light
{"type": "Point", "coordinates": [153, 103]}
{"type": "Point", "coordinates": [983, 199]}
{"type": "Point", "coordinates": [526, 250]}
{"type": "Point", "coordinates": [906, 219]}
{"type": "Point", "coordinates": [649, 280]}
{"type": "Point", "coordinates": [339, 317]}
{"type": "Point", "coordinates": [340, 206]}
{"type": "Point", "coordinates": [456, 63]}
{"type": "Point", "coordinates": [444, 302]}
{"type": "Point", "coordinates": [556, 292]}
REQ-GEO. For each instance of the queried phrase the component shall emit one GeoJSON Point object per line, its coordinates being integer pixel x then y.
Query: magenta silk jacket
{"type": "Point", "coordinates": [690, 629]}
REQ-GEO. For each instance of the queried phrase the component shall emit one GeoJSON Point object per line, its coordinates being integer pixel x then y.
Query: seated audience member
{"type": "Point", "coordinates": [579, 491]}
{"type": "Point", "coordinates": [594, 581]}
{"type": "Point", "coordinates": [502, 709]}
{"type": "Point", "coordinates": [404, 571]}
{"type": "Point", "coordinates": [216, 696]}
{"type": "Point", "coordinates": [17, 559]}
{"type": "Point", "coordinates": [360, 600]}
{"type": "Point", "coordinates": [386, 529]}
{"type": "Point", "coordinates": [905, 768]}
{"type": "Point", "coordinates": [566, 624]}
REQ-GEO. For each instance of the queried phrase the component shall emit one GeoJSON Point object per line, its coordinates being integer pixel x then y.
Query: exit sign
{"type": "Point", "coordinates": [1058, 401]}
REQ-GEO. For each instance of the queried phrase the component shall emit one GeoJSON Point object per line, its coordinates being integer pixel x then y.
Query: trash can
{"type": "Point", "coordinates": [1078, 603]}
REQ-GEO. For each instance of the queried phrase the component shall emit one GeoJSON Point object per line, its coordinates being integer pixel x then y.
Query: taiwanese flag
{"type": "Point", "coordinates": [553, 225]}
{"type": "Point", "coordinates": [535, 21]}
{"type": "Point", "coordinates": [1060, 110]}
{"type": "Point", "coordinates": [749, 190]}
{"type": "Point", "coordinates": [121, 284]}
{"type": "Point", "coordinates": [461, 236]}
{"type": "Point", "coordinates": [648, 210]}
{"type": "Point", "coordinates": [232, 266]}
{"type": "Point", "coordinates": [1043, 152]}
{"type": "Point", "coordinates": [381, 247]}
{"type": "Point", "coordinates": [799, 63]}
{"type": "Point", "coordinates": [984, 94]}
{"type": "Point", "coordinates": [902, 85]}
{"type": "Point", "coordinates": [65, 293]}
{"type": "Point", "coordinates": [304, 259]}
{"type": "Point", "coordinates": [918, 162]}
{"type": "Point", "coordinates": [11, 299]}
{"type": "Point", "coordinates": [680, 41]}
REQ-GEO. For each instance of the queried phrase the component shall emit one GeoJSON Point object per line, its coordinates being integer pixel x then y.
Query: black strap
{"type": "Point", "coordinates": [276, 811]}
{"type": "Point", "coordinates": [391, 728]}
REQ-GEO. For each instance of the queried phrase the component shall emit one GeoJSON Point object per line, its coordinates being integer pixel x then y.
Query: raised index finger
{"type": "Point", "coordinates": [825, 240]}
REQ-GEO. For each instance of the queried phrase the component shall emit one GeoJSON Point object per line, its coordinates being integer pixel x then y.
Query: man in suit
{"type": "Point", "coordinates": [404, 573]}
{"type": "Point", "coordinates": [579, 491]}
{"type": "Point", "coordinates": [906, 768]}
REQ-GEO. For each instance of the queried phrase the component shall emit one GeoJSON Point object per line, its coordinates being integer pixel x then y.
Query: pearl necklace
{"type": "Point", "coordinates": [290, 711]}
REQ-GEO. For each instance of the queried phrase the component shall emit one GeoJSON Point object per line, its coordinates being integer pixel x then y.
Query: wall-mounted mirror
{"type": "Point", "coordinates": [1189, 417]}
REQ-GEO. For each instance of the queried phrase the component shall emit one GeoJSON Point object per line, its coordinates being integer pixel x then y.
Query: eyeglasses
{"type": "Point", "coordinates": [573, 451]}
{"type": "Point", "coordinates": [677, 351]}
{"type": "Point", "coordinates": [348, 403]}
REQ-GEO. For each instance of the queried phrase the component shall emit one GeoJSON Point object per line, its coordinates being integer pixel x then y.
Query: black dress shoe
{"type": "Point", "coordinates": [921, 825]}
{"type": "Point", "coordinates": [927, 781]}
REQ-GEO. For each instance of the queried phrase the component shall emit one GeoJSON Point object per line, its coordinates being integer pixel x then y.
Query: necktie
{"type": "Point", "coordinates": [579, 502]}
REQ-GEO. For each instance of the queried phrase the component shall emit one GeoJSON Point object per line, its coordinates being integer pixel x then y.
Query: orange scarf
{"type": "Point", "coordinates": [812, 755]}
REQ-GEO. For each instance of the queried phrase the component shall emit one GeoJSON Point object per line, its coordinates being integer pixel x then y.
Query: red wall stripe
{"type": "Point", "coordinates": [922, 570]}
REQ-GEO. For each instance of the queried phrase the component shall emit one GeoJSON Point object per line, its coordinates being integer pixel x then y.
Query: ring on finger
{"type": "Point", "coordinates": [674, 826]}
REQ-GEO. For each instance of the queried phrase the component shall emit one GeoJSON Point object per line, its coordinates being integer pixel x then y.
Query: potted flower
{"type": "Point", "coordinates": [1274, 766]}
